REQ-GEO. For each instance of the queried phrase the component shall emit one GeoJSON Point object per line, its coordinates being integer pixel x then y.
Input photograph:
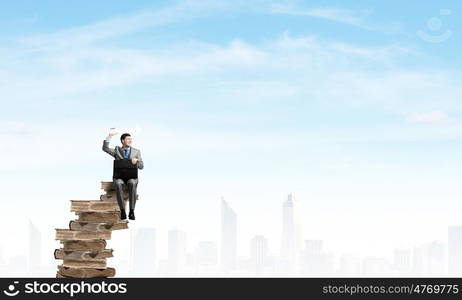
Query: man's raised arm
{"type": "Point", "coordinates": [106, 147]}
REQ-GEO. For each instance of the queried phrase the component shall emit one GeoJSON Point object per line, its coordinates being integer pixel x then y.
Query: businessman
{"type": "Point", "coordinates": [126, 151]}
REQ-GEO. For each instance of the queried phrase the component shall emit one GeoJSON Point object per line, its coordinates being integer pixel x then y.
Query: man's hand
{"type": "Point", "coordinates": [134, 161]}
{"type": "Point", "coordinates": [112, 132]}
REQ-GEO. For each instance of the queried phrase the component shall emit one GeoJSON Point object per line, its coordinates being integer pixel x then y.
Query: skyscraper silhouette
{"type": "Point", "coordinates": [258, 253]}
{"type": "Point", "coordinates": [291, 233]}
{"type": "Point", "coordinates": [35, 246]}
{"type": "Point", "coordinates": [228, 237]}
{"type": "Point", "coordinates": [176, 249]}
{"type": "Point", "coordinates": [144, 252]}
{"type": "Point", "coordinates": [455, 250]}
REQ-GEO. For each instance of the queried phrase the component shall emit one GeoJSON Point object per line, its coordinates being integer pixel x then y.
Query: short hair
{"type": "Point", "coordinates": [124, 136]}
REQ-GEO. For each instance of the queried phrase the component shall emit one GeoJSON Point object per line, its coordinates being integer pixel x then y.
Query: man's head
{"type": "Point", "coordinates": [126, 140]}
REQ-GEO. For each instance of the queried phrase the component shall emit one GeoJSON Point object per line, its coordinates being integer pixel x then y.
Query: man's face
{"type": "Point", "coordinates": [127, 141]}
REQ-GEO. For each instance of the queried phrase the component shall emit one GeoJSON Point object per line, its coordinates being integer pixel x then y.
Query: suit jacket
{"type": "Point", "coordinates": [118, 153]}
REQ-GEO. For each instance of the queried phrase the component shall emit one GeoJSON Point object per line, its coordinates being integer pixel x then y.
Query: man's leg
{"type": "Point", "coordinates": [118, 184]}
{"type": "Point", "coordinates": [132, 184]}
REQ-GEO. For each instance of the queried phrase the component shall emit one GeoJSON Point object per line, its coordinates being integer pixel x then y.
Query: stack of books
{"type": "Point", "coordinates": [84, 243]}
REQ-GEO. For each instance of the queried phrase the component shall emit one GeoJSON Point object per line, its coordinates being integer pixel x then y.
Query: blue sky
{"type": "Point", "coordinates": [339, 102]}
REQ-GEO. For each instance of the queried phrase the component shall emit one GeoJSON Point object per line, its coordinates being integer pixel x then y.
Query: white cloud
{"type": "Point", "coordinates": [286, 69]}
{"type": "Point", "coordinates": [124, 24]}
{"type": "Point", "coordinates": [430, 117]}
{"type": "Point", "coordinates": [333, 14]}
{"type": "Point", "coordinates": [357, 18]}
{"type": "Point", "coordinates": [70, 61]}
{"type": "Point", "coordinates": [12, 127]}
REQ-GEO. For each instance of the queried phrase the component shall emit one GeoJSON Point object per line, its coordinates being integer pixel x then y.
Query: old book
{"type": "Point", "coordinates": [85, 272]}
{"type": "Point", "coordinates": [84, 250]}
{"type": "Point", "coordinates": [107, 185]}
{"type": "Point", "coordinates": [84, 245]}
{"type": "Point", "coordinates": [100, 263]}
{"type": "Point", "coordinates": [97, 226]}
{"type": "Point", "coordinates": [99, 216]}
{"type": "Point", "coordinates": [113, 192]}
{"type": "Point", "coordinates": [112, 197]}
{"type": "Point", "coordinates": [67, 234]}
{"type": "Point", "coordinates": [93, 206]}
{"type": "Point", "coordinates": [83, 255]}
{"type": "Point", "coordinates": [109, 188]}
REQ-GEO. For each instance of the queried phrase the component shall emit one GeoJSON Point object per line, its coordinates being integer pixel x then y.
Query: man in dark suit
{"type": "Point", "coordinates": [126, 151]}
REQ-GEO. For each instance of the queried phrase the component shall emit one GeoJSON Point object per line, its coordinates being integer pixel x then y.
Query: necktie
{"type": "Point", "coordinates": [126, 153]}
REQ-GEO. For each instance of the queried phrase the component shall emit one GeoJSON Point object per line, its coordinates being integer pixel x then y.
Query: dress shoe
{"type": "Point", "coordinates": [131, 214]}
{"type": "Point", "coordinates": [123, 215]}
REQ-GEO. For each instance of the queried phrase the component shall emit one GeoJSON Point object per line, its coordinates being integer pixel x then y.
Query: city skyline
{"type": "Point", "coordinates": [434, 258]}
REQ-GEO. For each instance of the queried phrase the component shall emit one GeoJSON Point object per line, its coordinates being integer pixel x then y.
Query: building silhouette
{"type": "Point", "coordinates": [315, 261]}
{"type": "Point", "coordinates": [375, 266]}
{"type": "Point", "coordinates": [177, 243]}
{"type": "Point", "coordinates": [258, 253]}
{"type": "Point", "coordinates": [402, 262]}
{"type": "Point", "coordinates": [144, 252]}
{"type": "Point", "coordinates": [35, 246]}
{"type": "Point", "coordinates": [228, 249]}
{"type": "Point", "coordinates": [455, 250]}
{"type": "Point", "coordinates": [291, 235]}
{"type": "Point", "coordinates": [349, 265]}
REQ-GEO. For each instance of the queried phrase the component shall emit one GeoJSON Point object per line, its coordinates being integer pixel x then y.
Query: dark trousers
{"type": "Point", "coordinates": [119, 187]}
